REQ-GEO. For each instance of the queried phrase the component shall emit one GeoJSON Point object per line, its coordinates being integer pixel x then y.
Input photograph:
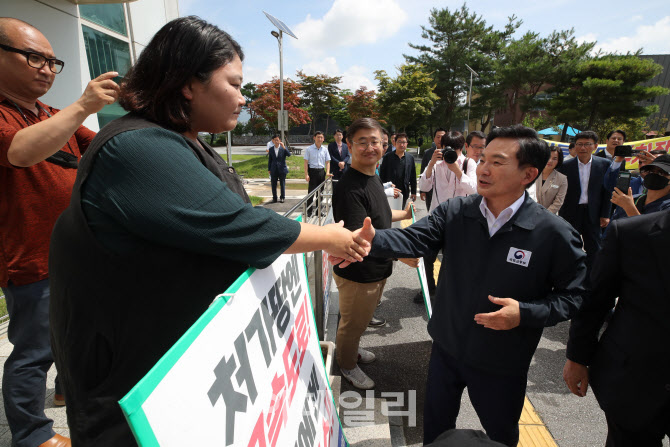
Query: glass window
{"type": "Point", "coordinates": [110, 16]}
{"type": "Point", "coordinates": [106, 53]}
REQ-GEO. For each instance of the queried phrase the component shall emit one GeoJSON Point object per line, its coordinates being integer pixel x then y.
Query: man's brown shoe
{"type": "Point", "coordinates": [59, 400]}
{"type": "Point", "coordinates": [57, 441]}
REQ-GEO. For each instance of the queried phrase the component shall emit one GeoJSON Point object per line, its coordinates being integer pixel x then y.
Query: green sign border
{"type": "Point", "coordinates": [131, 403]}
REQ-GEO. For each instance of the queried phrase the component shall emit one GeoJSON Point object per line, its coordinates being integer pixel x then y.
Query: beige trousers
{"type": "Point", "coordinates": [357, 305]}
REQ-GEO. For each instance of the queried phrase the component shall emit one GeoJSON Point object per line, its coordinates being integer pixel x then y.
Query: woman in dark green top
{"type": "Point", "coordinates": [158, 225]}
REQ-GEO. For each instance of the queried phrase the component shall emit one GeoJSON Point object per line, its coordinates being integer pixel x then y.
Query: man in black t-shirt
{"type": "Point", "coordinates": [357, 195]}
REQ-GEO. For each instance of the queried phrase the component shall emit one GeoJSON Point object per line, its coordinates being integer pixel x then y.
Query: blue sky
{"type": "Point", "coordinates": [353, 38]}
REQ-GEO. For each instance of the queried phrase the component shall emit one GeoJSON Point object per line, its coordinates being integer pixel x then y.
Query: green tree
{"type": "Point", "coordinates": [407, 98]}
{"type": "Point", "coordinates": [339, 110]}
{"type": "Point", "coordinates": [319, 94]}
{"type": "Point", "coordinates": [362, 103]}
{"type": "Point", "coordinates": [456, 38]}
{"type": "Point", "coordinates": [605, 87]}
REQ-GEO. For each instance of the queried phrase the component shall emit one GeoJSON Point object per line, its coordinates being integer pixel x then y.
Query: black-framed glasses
{"type": "Point", "coordinates": [36, 60]}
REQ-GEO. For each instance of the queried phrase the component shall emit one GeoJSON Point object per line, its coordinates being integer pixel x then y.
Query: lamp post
{"type": "Point", "coordinates": [278, 36]}
{"type": "Point", "coordinates": [282, 119]}
{"type": "Point", "coordinates": [472, 72]}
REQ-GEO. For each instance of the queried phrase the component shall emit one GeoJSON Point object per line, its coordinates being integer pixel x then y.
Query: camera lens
{"type": "Point", "coordinates": [449, 155]}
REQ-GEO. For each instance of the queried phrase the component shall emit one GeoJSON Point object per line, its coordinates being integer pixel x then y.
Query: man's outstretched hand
{"type": "Point", "coordinates": [362, 236]}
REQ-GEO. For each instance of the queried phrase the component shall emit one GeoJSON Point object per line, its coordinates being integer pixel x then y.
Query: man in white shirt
{"type": "Point", "coordinates": [317, 166]}
{"type": "Point", "coordinates": [587, 205]}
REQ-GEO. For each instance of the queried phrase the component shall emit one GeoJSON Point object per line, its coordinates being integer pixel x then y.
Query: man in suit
{"type": "Point", "coordinates": [614, 138]}
{"type": "Point", "coordinates": [398, 167]}
{"type": "Point", "coordinates": [277, 167]}
{"type": "Point", "coordinates": [628, 366]}
{"type": "Point", "coordinates": [586, 206]}
{"type": "Point", "coordinates": [339, 152]}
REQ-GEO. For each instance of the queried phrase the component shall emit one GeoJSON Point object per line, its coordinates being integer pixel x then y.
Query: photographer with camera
{"type": "Point", "coordinates": [446, 175]}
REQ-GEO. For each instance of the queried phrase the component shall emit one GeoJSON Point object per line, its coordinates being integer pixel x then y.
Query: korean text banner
{"type": "Point", "coordinates": [249, 372]}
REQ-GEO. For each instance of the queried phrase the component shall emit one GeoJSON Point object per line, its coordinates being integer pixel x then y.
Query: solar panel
{"type": "Point", "coordinates": [281, 26]}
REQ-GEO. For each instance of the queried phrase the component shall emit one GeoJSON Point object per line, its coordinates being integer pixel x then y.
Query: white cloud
{"type": "Point", "coordinates": [261, 75]}
{"type": "Point", "coordinates": [636, 18]}
{"type": "Point", "coordinates": [348, 23]}
{"type": "Point", "coordinates": [589, 37]}
{"type": "Point", "coordinates": [352, 78]}
{"type": "Point", "coordinates": [652, 38]}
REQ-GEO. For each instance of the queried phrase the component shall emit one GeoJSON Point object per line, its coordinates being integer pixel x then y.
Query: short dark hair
{"type": "Point", "coordinates": [558, 150]}
{"type": "Point", "coordinates": [617, 131]}
{"type": "Point", "coordinates": [587, 135]}
{"type": "Point", "coordinates": [384, 131]}
{"type": "Point", "coordinates": [337, 130]}
{"type": "Point", "coordinates": [532, 150]}
{"type": "Point", "coordinates": [474, 133]}
{"type": "Point", "coordinates": [363, 123]}
{"type": "Point", "coordinates": [401, 135]}
{"type": "Point", "coordinates": [318, 132]}
{"type": "Point", "coordinates": [183, 49]}
{"type": "Point", "coordinates": [439, 129]}
{"type": "Point", "coordinates": [274, 136]}
{"type": "Point", "coordinates": [453, 139]}
{"type": "Point", "coordinates": [571, 145]}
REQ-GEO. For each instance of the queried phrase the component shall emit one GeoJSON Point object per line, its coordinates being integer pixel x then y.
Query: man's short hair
{"type": "Point", "coordinates": [4, 21]}
{"type": "Point", "coordinates": [363, 123]}
{"type": "Point", "coordinates": [532, 150]}
{"type": "Point", "coordinates": [384, 131]}
{"type": "Point", "coordinates": [401, 135]}
{"type": "Point", "coordinates": [184, 49]}
{"type": "Point", "coordinates": [587, 135]}
{"type": "Point", "coordinates": [473, 134]}
{"type": "Point", "coordinates": [571, 145]}
{"type": "Point", "coordinates": [617, 131]}
{"type": "Point", "coordinates": [439, 129]}
{"type": "Point", "coordinates": [337, 131]}
{"type": "Point", "coordinates": [318, 132]}
{"type": "Point", "coordinates": [274, 136]}
{"type": "Point", "coordinates": [559, 151]}
{"type": "Point", "coordinates": [453, 139]}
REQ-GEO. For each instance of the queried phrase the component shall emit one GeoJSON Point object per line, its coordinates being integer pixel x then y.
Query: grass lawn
{"type": "Point", "coordinates": [256, 166]}
{"type": "Point", "coordinates": [3, 303]}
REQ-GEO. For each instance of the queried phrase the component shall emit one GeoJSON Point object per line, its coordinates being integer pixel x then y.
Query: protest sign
{"type": "Point", "coordinates": [249, 372]}
{"type": "Point", "coordinates": [423, 280]}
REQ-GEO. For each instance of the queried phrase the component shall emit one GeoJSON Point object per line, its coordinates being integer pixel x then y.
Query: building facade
{"type": "Point", "coordinates": [92, 39]}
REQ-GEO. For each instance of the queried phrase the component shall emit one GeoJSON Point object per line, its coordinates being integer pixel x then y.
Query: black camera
{"type": "Point", "coordinates": [449, 155]}
{"type": "Point", "coordinates": [626, 151]}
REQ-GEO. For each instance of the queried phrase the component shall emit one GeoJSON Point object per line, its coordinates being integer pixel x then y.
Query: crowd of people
{"type": "Point", "coordinates": [99, 231]}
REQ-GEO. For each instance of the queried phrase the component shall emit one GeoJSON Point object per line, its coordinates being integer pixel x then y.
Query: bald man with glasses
{"type": "Point", "coordinates": [40, 148]}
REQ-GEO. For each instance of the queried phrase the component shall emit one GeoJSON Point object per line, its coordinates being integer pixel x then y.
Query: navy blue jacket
{"type": "Point", "coordinates": [549, 288]}
{"type": "Point", "coordinates": [335, 159]}
{"type": "Point", "coordinates": [599, 196]}
{"type": "Point", "coordinates": [277, 161]}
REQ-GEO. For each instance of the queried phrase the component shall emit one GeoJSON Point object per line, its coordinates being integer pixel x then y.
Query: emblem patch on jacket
{"type": "Point", "coordinates": [519, 257]}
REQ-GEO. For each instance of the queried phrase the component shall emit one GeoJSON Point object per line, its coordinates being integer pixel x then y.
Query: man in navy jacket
{"type": "Point", "coordinates": [587, 204]}
{"type": "Point", "coordinates": [339, 153]}
{"type": "Point", "coordinates": [526, 269]}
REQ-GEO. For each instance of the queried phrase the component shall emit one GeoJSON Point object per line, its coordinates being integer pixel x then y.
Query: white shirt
{"type": "Point", "coordinates": [444, 183]}
{"type": "Point", "coordinates": [584, 175]}
{"type": "Point", "coordinates": [496, 223]}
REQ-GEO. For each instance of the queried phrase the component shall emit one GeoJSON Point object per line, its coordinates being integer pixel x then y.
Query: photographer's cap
{"type": "Point", "coordinates": [662, 161]}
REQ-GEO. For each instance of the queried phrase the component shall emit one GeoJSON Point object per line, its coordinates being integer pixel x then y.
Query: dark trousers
{"type": "Point", "coordinates": [25, 373]}
{"type": "Point", "coordinates": [591, 235]}
{"type": "Point", "coordinates": [429, 262]}
{"type": "Point", "coordinates": [650, 436]}
{"type": "Point", "coordinates": [429, 198]}
{"type": "Point", "coordinates": [316, 177]}
{"type": "Point", "coordinates": [282, 183]}
{"type": "Point", "coordinates": [497, 399]}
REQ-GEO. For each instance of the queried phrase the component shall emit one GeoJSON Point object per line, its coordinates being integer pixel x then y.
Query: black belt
{"type": "Point", "coordinates": [583, 206]}
{"type": "Point", "coordinates": [316, 169]}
